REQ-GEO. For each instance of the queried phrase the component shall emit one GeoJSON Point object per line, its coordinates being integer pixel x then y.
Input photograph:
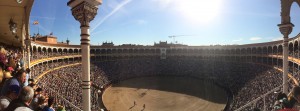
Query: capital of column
{"type": "Point", "coordinates": [84, 11]}
{"type": "Point", "coordinates": [286, 29]}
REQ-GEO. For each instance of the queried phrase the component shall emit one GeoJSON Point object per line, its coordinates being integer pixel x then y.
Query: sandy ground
{"type": "Point", "coordinates": [164, 94]}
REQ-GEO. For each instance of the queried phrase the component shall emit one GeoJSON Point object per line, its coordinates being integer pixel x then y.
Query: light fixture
{"type": "Point", "coordinates": [19, 1]}
{"type": "Point", "coordinates": [17, 37]}
{"type": "Point", "coordinates": [12, 26]}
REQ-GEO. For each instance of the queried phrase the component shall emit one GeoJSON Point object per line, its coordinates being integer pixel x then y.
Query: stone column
{"type": "Point", "coordinates": [28, 44]}
{"type": "Point", "coordinates": [285, 30]}
{"type": "Point", "coordinates": [84, 11]}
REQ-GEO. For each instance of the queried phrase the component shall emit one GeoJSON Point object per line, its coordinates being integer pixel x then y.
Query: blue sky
{"type": "Point", "coordinates": [147, 21]}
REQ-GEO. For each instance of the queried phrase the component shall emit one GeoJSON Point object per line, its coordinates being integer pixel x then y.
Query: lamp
{"type": "Point", "coordinates": [12, 26]}
{"type": "Point", "coordinates": [17, 37]}
{"type": "Point", "coordinates": [19, 1]}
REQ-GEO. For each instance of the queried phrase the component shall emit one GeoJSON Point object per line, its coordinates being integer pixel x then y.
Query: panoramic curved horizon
{"type": "Point", "coordinates": [147, 21]}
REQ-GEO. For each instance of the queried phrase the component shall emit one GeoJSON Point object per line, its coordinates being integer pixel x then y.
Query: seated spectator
{"type": "Point", "coordinates": [3, 56]}
{"type": "Point", "coordinates": [278, 103]}
{"type": "Point", "coordinates": [23, 101]}
{"type": "Point", "coordinates": [18, 80]}
{"type": "Point", "coordinates": [61, 108]}
{"type": "Point", "coordinates": [295, 97]}
{"type": "Point", "coordinates": [37, 95]}
{"type": "Point", "coordinates": [50, 104]}
{"type": "Point", "coordinates": [12, 94]}
{"type": "Point", "coordinates": [39, 106]}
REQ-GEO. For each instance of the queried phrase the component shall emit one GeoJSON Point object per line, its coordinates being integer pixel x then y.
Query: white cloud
{"type": "Point", "coordinates": [255, 38]}
{"type": "Point", "coordinates": [115, 10]}
{"type": "Point", "coordinates": [141, 22]}
{"type": "Point", "coordinates": [237, 40]}
{"type": "Point", "coordinates": [163, 3]}
{"type": "Point", "coordinates": [278, 38]}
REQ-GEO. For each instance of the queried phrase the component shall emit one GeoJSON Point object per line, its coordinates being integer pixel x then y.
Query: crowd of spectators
{"type": "Point", "coordinates": [45, 54]}
{"type": "Point", "coordinates": [247, 81]}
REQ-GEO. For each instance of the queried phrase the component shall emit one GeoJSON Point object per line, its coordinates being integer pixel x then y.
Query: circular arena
{"type": "Point", "coordinates": [165, 93]}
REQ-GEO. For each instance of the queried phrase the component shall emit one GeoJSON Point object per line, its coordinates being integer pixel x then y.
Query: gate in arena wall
{"type": "Point", "coordinates": [163, 53]}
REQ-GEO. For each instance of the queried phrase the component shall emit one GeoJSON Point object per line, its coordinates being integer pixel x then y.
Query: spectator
{"type": "Point", "coordinates": [22, 103]}
{"type": "Point", "coordinates": [50, 104]}
{"type": "Point", "coordinates": [18, 80]}
{"type": "Point", "coordinates": [12, 94]}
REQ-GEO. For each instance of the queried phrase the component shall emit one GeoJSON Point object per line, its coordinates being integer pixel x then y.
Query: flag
{"type": "Point", "coordinates": [36, 22]}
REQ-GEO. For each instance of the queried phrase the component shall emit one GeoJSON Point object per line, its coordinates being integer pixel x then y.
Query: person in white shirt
{"type": "Point", "coordinates": [12, 94]}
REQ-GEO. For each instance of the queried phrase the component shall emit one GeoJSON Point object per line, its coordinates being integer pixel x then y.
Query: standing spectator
{"type": "Point", "coordinates": [22, 103]}
{"type": "Point", "coordinates": [3, 56]}
{"type": "Point", "coordinates": [18, 80]}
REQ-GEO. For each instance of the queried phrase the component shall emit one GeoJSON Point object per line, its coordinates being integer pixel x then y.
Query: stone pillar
{"type": "Point", "coordinates": [28, 44]}
{"type": "Point", "coordinates": [84, 11]}
{"type": "Point", "coordinates": [285, 30]}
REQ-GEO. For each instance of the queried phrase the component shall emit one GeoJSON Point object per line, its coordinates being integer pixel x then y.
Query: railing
{"type": "Point", "coordinates": [261, 97]}
{"type": "Point", "coordinates": [64, 99]}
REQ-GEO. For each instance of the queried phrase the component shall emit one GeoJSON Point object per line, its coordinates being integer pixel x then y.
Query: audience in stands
{"type": "Point", "coordinates": [12, 94]}
{"type": "Point", "coordinates": [246, 81]}
{"type": "Point", "coordinates": [19, 80]}
{"type": "Point", "coordinates": [23, 102]}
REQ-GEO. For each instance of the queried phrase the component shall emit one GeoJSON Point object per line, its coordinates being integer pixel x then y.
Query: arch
{"type": "Point", "coordinates": [157, 51]}
{"type": "Point", "coordinates": [60, 50]}
{"type": "Point", "coordinates": [34, 49]}
{"type": "Point", "coordinates": [125, 50]}
{"type": "Point", "coordinates": [98, 51]}
{"type": "Point", "coordinates": [217, 51]}
{"type": "Point", "coordinates": [280, 49]}
{"type": "Point", "coordinates": [265, 50]}
{"type": "Point", "coordinates": [270, 50]}
{"type": "Point", "coordinates": [130, 50]}
{"type": "Point", "coordinates": [248, 50]}
{"type": "Point", "coordinates": [285, 11]}
{"type": "Point", "coordinates": [108, 51]}
{"type": "Point", "coordinates": [76, 50]}
{"type": "Point", "coordinates": [147, 51]}
{"type": "Point", "coordinates": [49, 50]}
{"type": "Point", "coordinates": [114, 51]}
{"type": "Point", "coordinates": [291, 47]}
{"type": "Point", "coordinates": [275, 50]}
{"type": "Point", "coordinates": [254, 50]}
{"type": "Point", "coordinates": [135, 51]}
{"type": "Point", "coordinates": [259, 50]}
{"type": "Point", "coordinates": [243, 51]}
{"type": "Point", "coordinates": [55, 50]}
{"type": "Point", "coordinates": [71, 51]}
{"type": "Point", "coordinates": [119, 50]}
{"type": "Point", "coordinates": [44, 49]}
{"type": "Point", "coordinates": [296, 48]}
{"type": "Point", "coordinates": [65, 50]}
{"type": "Point", "coordinates": [39, 49]}
{"type": "Point", "coordinates": [232, 51]}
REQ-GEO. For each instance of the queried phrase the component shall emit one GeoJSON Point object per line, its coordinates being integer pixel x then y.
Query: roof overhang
{"type": "Point", "coordinates": [19, 13]}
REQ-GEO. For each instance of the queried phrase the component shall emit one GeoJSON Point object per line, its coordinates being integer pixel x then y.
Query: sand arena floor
{"type": "Point", "coordinates": [164, 94]}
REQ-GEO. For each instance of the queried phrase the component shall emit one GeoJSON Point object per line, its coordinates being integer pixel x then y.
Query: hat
{"type": "Point", "coordinates": [10, 69]}
{"type": "Point", "coordinates": [7, 75]}
{"type": "Point", "coordinates": [14, 89]}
